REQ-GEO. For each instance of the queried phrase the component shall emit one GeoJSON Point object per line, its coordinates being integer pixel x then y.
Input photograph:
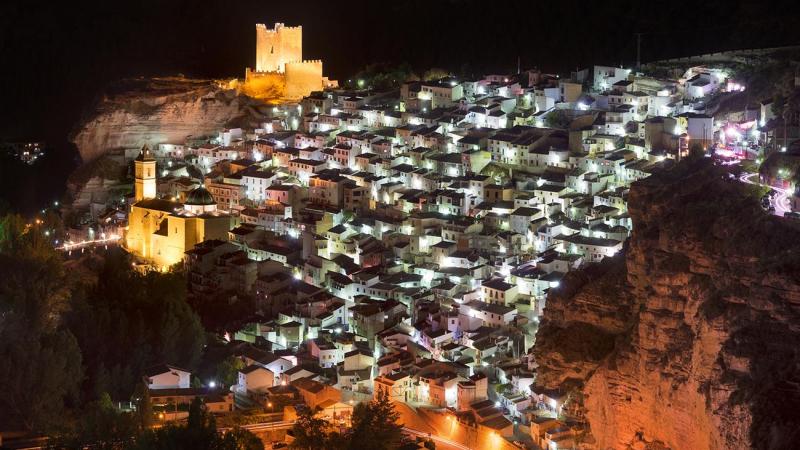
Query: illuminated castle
{"type": "Point", "coordinates": [277, 47]}
{"type": "Point", "coordinates": [281, 72]}
{"type": "Point", "coordinates": [160, 230]}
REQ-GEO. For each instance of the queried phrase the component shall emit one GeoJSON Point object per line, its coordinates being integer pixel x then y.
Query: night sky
{"type": "Point", "coordinates": [58, 55]}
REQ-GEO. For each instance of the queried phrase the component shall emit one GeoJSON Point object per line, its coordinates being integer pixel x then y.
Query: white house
{"type": "Point", "coordinates": [255, 378]}
{"type": "Point", "coordinates": [167, 377]}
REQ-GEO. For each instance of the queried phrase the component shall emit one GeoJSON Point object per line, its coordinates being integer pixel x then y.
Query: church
{"type": "Point", "coordinates": [161, 231]}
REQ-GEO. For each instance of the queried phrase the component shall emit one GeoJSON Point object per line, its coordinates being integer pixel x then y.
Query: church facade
{"type": "Point", "coordinates": [161, 231]}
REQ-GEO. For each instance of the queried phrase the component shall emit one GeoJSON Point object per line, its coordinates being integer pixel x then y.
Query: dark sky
{"type": "Point", "coordinates": [57, 55]}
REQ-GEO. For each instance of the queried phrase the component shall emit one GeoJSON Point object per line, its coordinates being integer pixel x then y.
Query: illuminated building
{"type": "Point", "coordinates": [281, 72]}
{"type": "Point", "coordinates": [160, 230]}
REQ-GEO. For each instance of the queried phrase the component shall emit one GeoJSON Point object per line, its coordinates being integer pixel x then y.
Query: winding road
{"type": "Point", "coordinates": [780, 201]}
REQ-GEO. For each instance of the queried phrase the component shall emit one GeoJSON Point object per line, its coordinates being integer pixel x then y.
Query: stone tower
{"type": "Point", "coordinates": [278, 46]}
{"type": "Point", "coordinates": [145, 174]}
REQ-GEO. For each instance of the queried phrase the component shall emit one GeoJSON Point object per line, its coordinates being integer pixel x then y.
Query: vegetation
{"type": "Point", "coordinates": [69, 346]}
{"type": "Point", "coordinates": [200, 433]}
{"type": "Point", "coordinates": [41, 366]}
{"type": "Point", "coordinates": [106, 428]}
{"type": "Point", "coordinates": [558, 119]}
{"type": "Point", "coordinates": [435, 73]}
{"type": "Point", "coordinates": [228, 370]}
{"type": "Point", "coordinates": [375, 427]}
{"type": "Point", "coordinates": [381, 76]}
{"type": "Point", "coordinates": [310, 432]}
{"type": "Point", "coordinates": [128, 322]}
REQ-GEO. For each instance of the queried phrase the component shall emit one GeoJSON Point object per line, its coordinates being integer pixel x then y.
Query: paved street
{"type": "Point", "coordinates": [780, 201]}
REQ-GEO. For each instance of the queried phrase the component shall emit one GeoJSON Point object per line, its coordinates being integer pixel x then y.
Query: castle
{"type": "Point", "coordinates": [281, 73]}
{"type": "Point", "coordinates": [160, 230]}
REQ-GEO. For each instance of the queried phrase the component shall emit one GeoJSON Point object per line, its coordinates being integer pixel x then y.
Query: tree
{"type": "Point", "coordinates": [778, 105]}
{"type": "Point", "coordinates": [41, 362]}
{"type": "Point", "coordinates": [435, 73]}
{"type": "Point", "coordinates": [127, 322]}
{"type": "Point", "coordinates": [228, 370]}
{"type": "Point", "coordinates": [310, 431]}
{"type": "Point", "coordinates": [376, 424]}
{"type": "Point", "coordinates": [558, 119]}
{"type": "Point", "coordinates": [144, 405]}
{"type": "Point", "coordinates": [696, 151]}
{"type": "Point", "coordinates": [101, 427]}
{"type": "Point", "coordinates": [40, 373]}
{"type": "Point", "coordinates": [200, 433]}
{"type": "Point", "coordinates": [240, 439]}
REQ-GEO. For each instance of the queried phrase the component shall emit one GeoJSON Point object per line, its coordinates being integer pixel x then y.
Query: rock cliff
{"type": "Point", "coordinates": [690, 339]}
{"type": "Point", "coordinates": [155, 110]}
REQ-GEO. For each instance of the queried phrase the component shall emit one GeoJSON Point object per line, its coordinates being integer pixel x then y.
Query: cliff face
{"type": "Point", "coordinates": [158, 110]}
{"type": "Point", "coordinates": [689, 340]}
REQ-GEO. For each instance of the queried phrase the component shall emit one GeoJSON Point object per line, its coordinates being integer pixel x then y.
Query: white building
{"type": "Point", "coordinates": [167, 377]}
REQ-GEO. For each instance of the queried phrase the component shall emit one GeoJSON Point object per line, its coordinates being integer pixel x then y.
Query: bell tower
{"type": "Point", "coordinates": [145, 174]}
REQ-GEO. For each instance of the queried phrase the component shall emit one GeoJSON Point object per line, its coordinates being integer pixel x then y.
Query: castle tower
{"type": "Point", "coordinates": [278, 46]}
{"type": "Point", "coordinates": [145, 174]}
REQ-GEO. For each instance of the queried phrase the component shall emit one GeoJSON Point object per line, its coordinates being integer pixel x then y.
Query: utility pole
{"type": "Point", "coordinates": [519, 67]}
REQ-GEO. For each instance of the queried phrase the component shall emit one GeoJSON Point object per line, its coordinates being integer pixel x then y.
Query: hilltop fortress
{"type": "Point", "coordinates": [281, 73]}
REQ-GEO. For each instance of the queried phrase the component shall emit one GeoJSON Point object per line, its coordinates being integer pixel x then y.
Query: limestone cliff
{"type": "Point", "coordinates": [689, 340]}
{"type": "Point", "coordinates": [156, 110]}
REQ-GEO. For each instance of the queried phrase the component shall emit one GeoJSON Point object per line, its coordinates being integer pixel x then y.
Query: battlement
{"type": "Point", "coordinates": [280, 65]}
{"type": "Point", "coordinates": [310, 62]}
{"type": "Point", "coordinates": [277, 28]}
{"type": "Point", "coordinates": [277, 46]}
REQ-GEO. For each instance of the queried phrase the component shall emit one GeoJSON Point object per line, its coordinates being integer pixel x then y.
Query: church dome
{"type": "Point", "coordinates": [200, 196]}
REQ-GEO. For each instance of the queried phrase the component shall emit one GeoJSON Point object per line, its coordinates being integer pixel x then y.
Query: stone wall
{"type": "Point", "coordinates": [302, 78]}
{"type": "Point", "coordinates": [277, 46]}
{"type": "Point", "coordinates": [264, 85]}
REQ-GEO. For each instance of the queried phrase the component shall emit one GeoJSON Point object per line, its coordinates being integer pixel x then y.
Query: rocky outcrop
{"type": "Point", "coordinates": [689, 340]}
{"type": "Point", "coordinates": [157, 110]}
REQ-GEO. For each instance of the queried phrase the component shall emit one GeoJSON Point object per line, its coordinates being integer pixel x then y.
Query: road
{"type": "Point", "coordinates": [264, 426]}
{"type": "Point", "coordinates": [441, 443]}
{"type": "Point", "coordinates": [780, 201]}
{"type": "Point", "coordinates": [104, 240]}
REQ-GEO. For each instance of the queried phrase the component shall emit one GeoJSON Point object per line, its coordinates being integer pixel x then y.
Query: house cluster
{"type": "Point", "coordinates": [407, 242]}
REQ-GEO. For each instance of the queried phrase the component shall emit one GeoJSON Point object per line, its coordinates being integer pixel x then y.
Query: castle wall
{"type": "Point", "coordinates": [264, 85]}
{"type": "Point", "coordinates": [291, 45]}
{"type": "Point", "coordinates": [302, 78]}
{"type": "Point", "coordinates": [277, 46]}
{"type": "Point", "coordinates": [281, 72]}
{"type": "Point", "coordinates": [267, 49]}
